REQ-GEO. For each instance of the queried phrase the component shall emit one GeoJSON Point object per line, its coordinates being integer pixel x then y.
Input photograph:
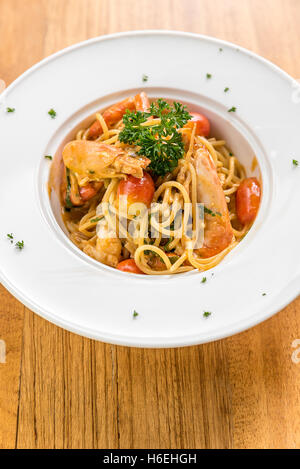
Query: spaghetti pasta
{"type": "Point", "coordinates": [207, 173]}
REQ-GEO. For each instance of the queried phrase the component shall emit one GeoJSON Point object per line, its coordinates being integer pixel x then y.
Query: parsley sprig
{"type": "Point", "coordinates": [161, 142]}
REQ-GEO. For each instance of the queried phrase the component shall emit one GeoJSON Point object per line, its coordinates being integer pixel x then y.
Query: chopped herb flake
{"type": "Point", "coordinates": [295, 162]}
{"type": "Point", "coordinates": [232, 109]}
{"type": "Point", "coordinates": [135, 314]}
{"type": "Point", "coordinates": [10, 236]}
{"type": "Point", "coordinates": [49, 157]}
{"type": "Point", "coordinates": [173, 259]}
{"type": "Point", "coordinates": [10, 109]}
{"type": "Point", "coordinates": [264, 294]}
{"type": "Point", "coordinates": [52, 113]}
{"type": "Point", "coordinates": [166, 246]}
{"type": "Point", "coordinates": [208, 75]}
{"type": "Point", "coordinates": [203, 280]}
{"type": "Point", "coordinates": [19, 245]}
{"type": "Point", "coordinates": [210, 212]}
{"type": "Point", "coordinates": [220, 49]}
{"type": "Point", "coordinates": [145, 78]}
{"type": "Point", "coordinates": [69, 204]}
{"type": "Point", "coordinates": [206, 314]}
{"type": "Point", "coordinates": [95, 220]}
{"type": "Point", "coordinates": [226, 89]}
{"type": "Point", "coordinates": [230, 154]}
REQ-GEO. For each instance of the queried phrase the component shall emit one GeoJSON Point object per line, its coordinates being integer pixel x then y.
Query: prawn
{"type": "Point", "coordinates": [96, 160]}
{"type": "Point", "coordinates": [87, 162]}
{"type": "Point", "coordinates": [218, 233]}
{"type": "Point", "coordinates": [108, 249]}
{"type": "Point", "coordinates": [112, 115]}
{"type": "Point", "coordinates": [141, 101]}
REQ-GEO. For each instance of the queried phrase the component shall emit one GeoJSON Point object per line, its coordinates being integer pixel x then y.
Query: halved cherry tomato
{"type": "Point", "coordinates": [137, 189]}
{"type": "Point", "coordinates": [202, 124]}
{"type": "Point", "coordinates": [130, 266]}
{"type": "Point", "coordinates": [248, 200]}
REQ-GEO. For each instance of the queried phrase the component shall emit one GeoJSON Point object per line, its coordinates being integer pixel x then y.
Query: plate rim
{"type": "Point", "coordinates": [184, 341]}
{"type": "Point", "coordinates": [167, 32]}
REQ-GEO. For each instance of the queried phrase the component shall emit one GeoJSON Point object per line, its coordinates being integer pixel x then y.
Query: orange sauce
{"type": "Point", "coordinates": [254, 163]}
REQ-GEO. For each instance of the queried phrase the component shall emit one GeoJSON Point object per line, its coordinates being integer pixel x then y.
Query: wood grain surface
{"type": "Point", "coordinates": [59, 390]}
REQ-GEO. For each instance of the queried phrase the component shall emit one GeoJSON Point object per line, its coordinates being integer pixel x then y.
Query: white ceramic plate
{"type": "Point", "coordinates": [56, 280]}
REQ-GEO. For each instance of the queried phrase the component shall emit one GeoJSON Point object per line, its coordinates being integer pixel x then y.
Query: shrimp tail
{"type": "Point", "coordinates": [142, 102]}
{"type": "Point", "coordinates": [115, 113]}
{"type": "Point", "coordinates": [111, 116]}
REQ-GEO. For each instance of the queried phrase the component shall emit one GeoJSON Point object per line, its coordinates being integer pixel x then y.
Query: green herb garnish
{"type": "Point", "coordinates": [264, 294]}
{"type": "Point", "coordinates": [135, 314]}
{"type": "Point", "coordinates": [145, 78]}
{"type": "Point", "coordinates": [295, 162]}
{"type": "Point", "coordinates": [161, 142]}
{"type": "Point", "coordinates": [91, 171]}
{"type": "Point", "coordinates": [230, 154]}
{"type": "Point", "coordinates": [206, 314]}
{"type": "Point", "coordinates": [232, 109]}
{"type": "Point", "coordinates": [173, 259]}
{"type": "Point", "coordinates": [52, 113]}
{"type": "Point", "coordinates": [226, 89]}
{"type": "Point", "coordinates": [19, 245]}
{"type": "Point", "coordinates": [49, 157]}
{"type": "Point", "coordinates": [210, 212]}
{"type": "Point", "coordinates": [95, 220]}
{"type": "Point", "coordinates": [10, 237]}
{"type": "Point", "coordinates": [203, 280]}
{"type": "Point", "coordinates": [68, 201]}
{"type": "Point", "coordinates": [208, 75]}
{"type": "Point", "coordinates": [220, 49]}
{"type": "Point", "coordinates": [10, 109]}
{"type": "Point", "coordinates": [165, 247]}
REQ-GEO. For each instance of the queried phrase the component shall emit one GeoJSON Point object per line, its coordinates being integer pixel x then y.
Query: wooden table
{"type": "Point", "coordinates": [59, 390]}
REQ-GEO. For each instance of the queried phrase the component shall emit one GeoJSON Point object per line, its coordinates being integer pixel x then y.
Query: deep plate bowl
{"type": "Point", "coordinates": [56, 280]}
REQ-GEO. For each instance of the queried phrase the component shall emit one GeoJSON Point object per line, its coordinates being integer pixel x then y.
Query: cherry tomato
{"type": "Point", "coordinates": [130, 266]}
{"type": "Point", "coordinates": [137, 189]}
{"type": "Point", "coordinates": [202, 124]}
{"type": "Point", "coordinates": [248, 200]}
